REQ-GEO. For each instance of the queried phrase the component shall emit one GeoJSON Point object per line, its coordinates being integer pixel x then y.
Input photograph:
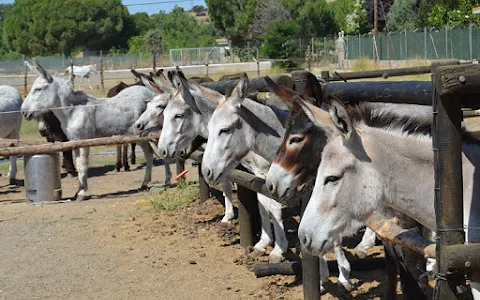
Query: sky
{"type": "Point", "coordinates": [151, 8]}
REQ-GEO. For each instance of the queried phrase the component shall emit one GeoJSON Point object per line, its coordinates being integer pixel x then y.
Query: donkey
{"type": "Point", "coordinates": [152, 118]}
{"type": "Point", "coordinates": [364, 166]}
{"type": "Point", "coordinates": [50, 128]}
{"type": "Point", "coordinates": [10, 123]}
{"type": "Point", "coordinates": [83, 116]}
{"type": "Point", "coordinates": [298, 158]}
{"type": "Point", "coordinates": [83, 72]}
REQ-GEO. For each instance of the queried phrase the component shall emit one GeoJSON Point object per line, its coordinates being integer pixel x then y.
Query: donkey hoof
{"type": "Point", "coordinates": [322, 289]}
{"type": "Point", "coordinates": [347, 285]}
{"type": "Point", "coordinates": [275, 259]}
{"type": "Point", "coordinates": [81, 198]}
{"type": "Point", "coordinates": [360, 253]}
{"type": "Point", "coordinates": [12, 181]}
{"type": "Point", "coordinates": [144, 187]}
{"type": "Point", "coordinates": [127, 169]}
{"type": "Point", "coordinates": [257, 253]}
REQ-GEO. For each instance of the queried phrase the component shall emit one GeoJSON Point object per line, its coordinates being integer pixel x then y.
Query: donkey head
{"type": "Point", "coordinates": [152, 117]}
{"type": "Point", "coordinates": [345, 173]}
{"type": "Point", "coordinates": [299, 155]}
{"type": "Point", "coordinates": [183, 118]}
{"type": "Point", "coordinates": [230, 138]}
{"type": "Point", "coordinates": [44, 93]}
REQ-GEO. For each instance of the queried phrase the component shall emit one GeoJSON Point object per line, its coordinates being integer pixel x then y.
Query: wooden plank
{"type": "Point", "coordinates": [458, 80]}
{"type": "Point", "coordinates": [64, 146]}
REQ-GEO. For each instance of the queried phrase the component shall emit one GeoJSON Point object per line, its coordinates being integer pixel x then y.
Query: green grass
{"type": "Point", "coordinates": [173, 199]}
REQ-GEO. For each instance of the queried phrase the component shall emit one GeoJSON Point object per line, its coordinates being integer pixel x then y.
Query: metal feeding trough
{"type": "Point", "coordinates": [42, 179]}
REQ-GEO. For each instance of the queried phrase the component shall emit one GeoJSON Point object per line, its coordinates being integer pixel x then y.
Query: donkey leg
{"type": "Point", "coordinates": [118, 165]}
{"type": "Point", "coordinates": [148, 152]}
{"type": "Point", "coordinates": [324, 273]}
{"type": "Point", "coordinates": [82, 167]}
{"type": "Point", "coordinates": [133, 157]}
{"type": "Point", "coordinates": [89, 83]}
{"type": "Point", "coordinates": [281, 242]}
{"type": "Point", "coordinates": [12, 170]}
{"type": "Point", "coordinates": [125, 157]}
{"type": "Point", "coordinates": [168, 172]}
{"type": "Point", "coordinates": [368, 241]}
{"type": "Point", "coordinates": [227, 194]}
{"type": "Point", "coordinates": [266, 236]}
{"type": "Point", "coordinates": [68, 164]}
{"type": "Point", "coordinates": [343, 266]}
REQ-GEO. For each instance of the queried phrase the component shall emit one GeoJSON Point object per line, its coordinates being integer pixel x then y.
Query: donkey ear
{"type": "Point", "coordinates": [184, 89]}
{"type": "Point", "coordinates": [318, 116]}
{"type": "Point", "coordinates": [150, 84]}
{"type": "Point", "coordinates": [170, 77]}
{"type": "Point", "coordinates": [240, 92]}
{"type": "Point", "coordinates": [136, 74]}
{"type": "Point", "coordinates": [44, 73]}
{"type": "Point", "coordinates": [29, 65]}
{"type": "Point", "coordinates": [166, 86]}
{"type": "Point", "coordinates": [341, 119]}
{"type": "Point", "coordinates": [284, 93]}
{"type": "Point", "coordinates": [313, 89]}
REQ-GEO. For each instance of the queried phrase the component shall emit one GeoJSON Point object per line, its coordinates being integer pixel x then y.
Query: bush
{"type": "Point", "coordinates": [175, 198]}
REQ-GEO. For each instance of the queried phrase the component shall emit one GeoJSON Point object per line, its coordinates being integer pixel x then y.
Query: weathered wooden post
{"type": "Point", "coordinates": [180, 165]}
{"type": "Point", "coordinates": [25, 77]}
{"type": "Point", "coordinates": [204, 189]}
{"type": "Point", "coordinates": [310, 263]}
{"type": "Point", "coordinates": [72, 77]}
{"type": "Point", "coordinates": [101, 71]}
{"type": "Point", "coordinates": [447, 147]}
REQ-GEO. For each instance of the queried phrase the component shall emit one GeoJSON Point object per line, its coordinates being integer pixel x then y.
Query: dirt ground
{"type": "Point", "coordinates": [113, 247]}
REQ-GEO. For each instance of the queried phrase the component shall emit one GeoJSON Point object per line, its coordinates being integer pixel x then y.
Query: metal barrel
{"type": "Point", "coordinates": [42, 178]}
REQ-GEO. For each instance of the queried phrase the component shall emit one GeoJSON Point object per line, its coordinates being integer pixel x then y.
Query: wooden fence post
{"type": "Point", "coordinates": [101, 71]}
{"type": "Point", "coordinates": [72, 77]}
{"type": "Point", "coordinates": [204, 188]}
{"type": "Point", "coordinates": [180, 165]}
{"type": "Point", "coordinates": [310, 263]}
{"type": "Point", "coordinates": [447, 151]}
{"type": "Point", "coordinates": [25, 80]}
{"type": "Point", "coordinates": [248, 216]}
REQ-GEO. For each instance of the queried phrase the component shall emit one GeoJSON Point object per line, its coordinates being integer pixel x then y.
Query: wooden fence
{"type": "Point", "coordinates": [450, 83]}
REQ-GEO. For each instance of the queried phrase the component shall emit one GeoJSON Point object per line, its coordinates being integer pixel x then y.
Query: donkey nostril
{"type": "Point", "coordinates": [182, 152]}
{"type": "Point", "coordinates": [164, 153]}
{"type": "Point", "coordinates": [305, 240]}
{"type": "Point", "coordinates": [209, 173]}
{"type": "Point", "coordinates": [271, 187]}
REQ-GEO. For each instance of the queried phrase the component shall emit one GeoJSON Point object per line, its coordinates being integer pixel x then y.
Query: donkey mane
{"type": "Point", "coordinates": [363, 113]}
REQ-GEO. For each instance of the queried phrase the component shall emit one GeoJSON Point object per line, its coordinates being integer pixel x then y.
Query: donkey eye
{"type": "Point", "coordinates": [296, 140]}
{"type": "Point", "coordinates": [37, 89]}
{"type": "Point", "coordinates": [161, 106]}
{"type": "Point", "coordinates": [224, 130]}
{"type": "Point", "coordinates": [178, 116]}
{"type": "Point", "coordinates": [332, 179]}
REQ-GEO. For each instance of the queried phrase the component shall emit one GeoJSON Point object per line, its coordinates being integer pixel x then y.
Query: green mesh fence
{"type": "Point", "coordinates": [458, 43]}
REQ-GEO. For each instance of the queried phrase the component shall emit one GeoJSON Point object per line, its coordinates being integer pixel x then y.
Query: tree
{"type": "Point", "coordinates": [199, 9]}
{"type": "Point", "coordinates": [402, 15]}
{"type": "Point", "coordinates": [340, 9]}
{"type": "Point", "coordinates": [154, 41]}
{"type": "Point", "coordinates": [43, 27]}
{"type": "Point", "coordinates": [266, 13]}
{"type": "Point", "coordinates": [142, 23]}
{"type": "Point", "coordinates": [233, 17]}
{"type": "Point", "coordinates": [278, 41]}
{"type": "Point", "coordinates": [356, 22]}
{"type": "Point", "coordinates": [316, 19]}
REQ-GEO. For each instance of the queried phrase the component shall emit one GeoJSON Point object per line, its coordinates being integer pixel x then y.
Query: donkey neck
{"type": "Point", "coordinates": [267, 126]}
{"type": "Point", "coordinates": [206, 108]}
{"type": "Point", "coordinates": [66, 103]}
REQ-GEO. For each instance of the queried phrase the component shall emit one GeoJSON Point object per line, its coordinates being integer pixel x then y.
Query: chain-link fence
{"type": "Point", "coordinates": [428, 44]}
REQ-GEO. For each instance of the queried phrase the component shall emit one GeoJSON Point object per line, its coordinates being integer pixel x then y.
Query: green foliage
{"type": "Point", "coordinates": [402, 15]}
{"type": "Point", "coordinates": [154, 42]}
{"type": "Point", "coordinates": [356, 22]}
{"type": "Point", "coordinates": [460, 15]}
{"type": "Point", "coordinates": [136, 45]}
{"type": "Point", "coordinates": [142, 23]}
{"type": "Point", "coordinates": [232, 17]}
{"type": "Point", "coordinates": [278, 41]}
{"type": "Point", "coordinates": [41, 27]}
{"type": "Point", "coordinates": [340, 9]}
{"type": "Point", "coordinates": [316, 19]}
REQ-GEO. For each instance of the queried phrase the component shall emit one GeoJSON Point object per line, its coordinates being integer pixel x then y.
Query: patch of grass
{"type": "Point", "coordinates": [173, 199]}
{"type": "Point", "coordinates": [364, 64]}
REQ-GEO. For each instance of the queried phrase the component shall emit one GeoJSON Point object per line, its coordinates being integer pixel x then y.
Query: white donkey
{"type": "Point", "coordinates": [82, 116]}
{"type": "Point", "coordinates": [363, 167]}
{"type": "Point", "coordinates": [83, 72]}
{"type": "Point", "coordinates": [10, 122]}
{"type": "Point", "coordinates": [152, 118]}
